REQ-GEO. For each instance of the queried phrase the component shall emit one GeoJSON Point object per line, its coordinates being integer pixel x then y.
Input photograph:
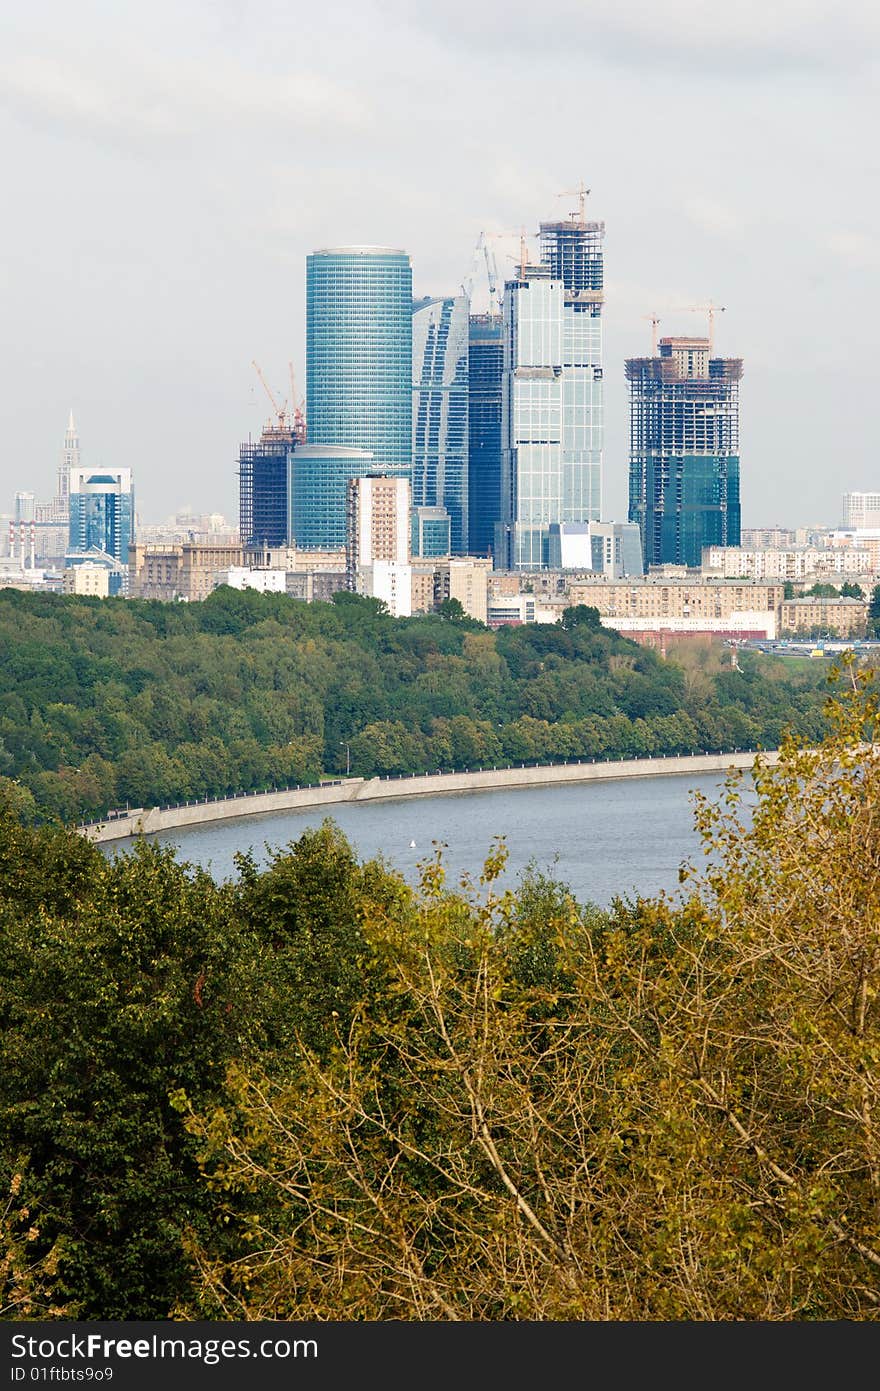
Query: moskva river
{"type": "Point", "coordinates": [602, 839]}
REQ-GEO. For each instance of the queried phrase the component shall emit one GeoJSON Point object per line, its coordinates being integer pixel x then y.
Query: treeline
{"type": "Point", "coordinates": [108, 702]}
{"type": "Point", "coordinates": [316, 1093]}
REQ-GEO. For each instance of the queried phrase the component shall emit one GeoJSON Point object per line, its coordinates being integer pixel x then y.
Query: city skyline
{"type": "Point", "coordinates": [185, 218]}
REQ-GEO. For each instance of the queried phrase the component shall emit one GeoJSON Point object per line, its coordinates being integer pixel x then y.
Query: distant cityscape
{"type": "Point", "coordinates": [444, 455]}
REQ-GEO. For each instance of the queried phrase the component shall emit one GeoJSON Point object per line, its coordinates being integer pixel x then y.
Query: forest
{"type": "Point", "coordinates": [113, 702]}
{"type": "Point", "coordinates": [314, 1092]}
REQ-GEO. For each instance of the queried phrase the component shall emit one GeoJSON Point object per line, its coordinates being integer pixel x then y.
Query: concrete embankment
{"type": "Point", "coordinates": [146, 821]}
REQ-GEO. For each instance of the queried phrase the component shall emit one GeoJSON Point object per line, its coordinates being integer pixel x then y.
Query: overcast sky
{"type": "Point", "coordinates": [168, 166]}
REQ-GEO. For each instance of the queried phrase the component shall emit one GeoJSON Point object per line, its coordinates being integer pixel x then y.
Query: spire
{"type": "Point", "coordinates": [71, 428]}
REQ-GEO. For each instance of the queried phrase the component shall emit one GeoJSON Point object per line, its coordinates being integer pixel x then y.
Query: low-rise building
{"type": "Point", "coordinates": [182, 571]}
{"type": "Point", "coordinates": [88, 578]}
{"type": "Point", "coordinates": [846, 618]}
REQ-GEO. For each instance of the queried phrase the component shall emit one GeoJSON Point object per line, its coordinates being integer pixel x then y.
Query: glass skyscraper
{"type": "Point", "coordinates": [440, 411]}
{"type": "Point", "coordinates": [263, 469]}
{"type": "Point", "coordinates": [359, 352]}
{"type": "Point", "coordinates": [551, 393]}
{"type": "Point", "coordinates": [684, 451]}
{"type": "Point", "coordinates": [101, 511]}
{"type": "Point", "coordinates": [485, 370]}
{"type": "Point", "coordinates": [318, 477]}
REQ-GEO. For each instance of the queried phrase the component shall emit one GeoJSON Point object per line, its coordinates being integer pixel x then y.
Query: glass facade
{"type": "Point", "coordinates": [485, 370]}
{"type": "Point", "coordinates": [684, 451]}
{"type": "Point", "coordinates": [440, 411]}
{"type": "Point", "coordinates": [318, 493]}
{"type": "Point", "coordinates": [431, 532]}
{"type": "Point", "coordinates": [262, 479]}
{"type": "Point", "coordinates": [101, 512]}
{"type": "Point", "coordinates": [552, 426]}
{"type": "Point", "coordinates": [359, 353]}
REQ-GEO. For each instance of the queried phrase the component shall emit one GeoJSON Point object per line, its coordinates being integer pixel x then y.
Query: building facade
{"type": "Point", "coordinates": [861, 510]}
{"type": "Point", "coordinates": [684, 451]}
{"type": "Point", "coordinates": [359, 352]}
{"type": "Point", "coordinates": [552, 427]}
{"type": "Point", "coordinates": [101, 511]}
{"type": "Point", "coordinates": [377, 522]}
{"type": "Point", "coordinates": [263, 469]}
{"type": "Point", "coordinates": [431, 532]}
{"type": "Point", "coordinates": [485, 372]}
{"type": "Point", "coordinates": [440, 411]}
{"type": "Point", "coordinates": [318, 481]}
{"type": "Point", "coordinates": [183, 571]}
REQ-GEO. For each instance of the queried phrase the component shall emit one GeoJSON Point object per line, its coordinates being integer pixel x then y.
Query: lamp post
{"type": "Point", "coordinates": [347, 755]}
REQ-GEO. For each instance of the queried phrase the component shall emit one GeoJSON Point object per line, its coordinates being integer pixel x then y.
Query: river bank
{"type": "Point", "coordinates": [147, 821]}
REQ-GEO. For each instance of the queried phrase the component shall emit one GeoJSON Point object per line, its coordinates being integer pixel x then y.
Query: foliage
{"type": "Point", "coordinates": [111, 702]}
{"type": "Point", "coordinates": [669, 1112]}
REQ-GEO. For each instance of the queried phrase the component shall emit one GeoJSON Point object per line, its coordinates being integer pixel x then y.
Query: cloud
{"type": "Point", "coordinates": [124, 101]}
{"type": "Point", "coordinates": [746, 38]}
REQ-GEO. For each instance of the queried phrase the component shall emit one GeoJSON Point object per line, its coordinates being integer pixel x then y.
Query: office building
{"type": "Point", "coordinates": [187, 571]}
{"type": "Point", "coordinates": [861, 510]}
{"type": "Point", "coordinates": [263, 469]}
{"type": "Point", "coordinates": [485, 370]}
{"type": "Point", "coordinates": [318, 490]}
{"type": "Point", "coordinates": [684, 450]}
{"type": "Point", "coordinates": [440, 411]}
{"type": "Point", "coordinates": [101, 511]}
{"type": "Point", "coordinates": [359, 353]}
{"type": "Point", "coordinates": [431, 532]}
{"type": "Point", "coordinates": [551, 392]}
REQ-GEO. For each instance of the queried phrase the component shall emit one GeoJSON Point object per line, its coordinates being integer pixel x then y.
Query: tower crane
{"type": "Point", "coordinates": [581, 194]}
{"type": "Point", "coordinates": [654, 321]}
{"type": "Point", "coordinates": [280, 411]}
{"type": "Point", "coordinates": [297, 410]}
{"type": "Point", "coordinates": [710, 310]}
{"type": "Point", "coordinates": [467, 286]}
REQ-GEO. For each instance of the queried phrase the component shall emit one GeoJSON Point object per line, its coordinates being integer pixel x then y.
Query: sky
{"type": "Point", "coordinates": [167, 168]}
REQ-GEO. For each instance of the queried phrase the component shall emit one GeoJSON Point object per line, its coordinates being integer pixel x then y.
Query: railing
{"type": "Point", "coordinates": [118, 814]}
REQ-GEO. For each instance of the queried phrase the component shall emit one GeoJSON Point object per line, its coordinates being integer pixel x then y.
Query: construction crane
{"type": "Point", "coordinates": [708, 309]}
{"type": "Point", "coordinates": [280, 411]}
{"type": "Point", "coordinates": [467, 287]}
{"type": "Point", "coordinates": [654, 321]}
{"type": "Point", "coordinates": [297, 410]}
{"type": "Point", "coordinates": [581, 194]}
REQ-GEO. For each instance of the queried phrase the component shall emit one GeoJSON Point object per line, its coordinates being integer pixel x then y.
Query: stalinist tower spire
{"type": "Point", "coordinates": [69, 460]}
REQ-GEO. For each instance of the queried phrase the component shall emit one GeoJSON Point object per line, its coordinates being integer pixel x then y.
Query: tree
{"type": "Point", "coordinates": [850, 590]}
{"type": "Point", "coordinates": [452, 610]}
{"type": "Point", "coordinates": [580, 616]}
{"type": "Point", "coordinates": [874, 612]}
{"type": "Point", "coordinates": [669, 1112]}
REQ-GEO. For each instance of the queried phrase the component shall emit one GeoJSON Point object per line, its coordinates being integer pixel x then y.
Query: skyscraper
{"type": "Point", "coordinates": [319, 476]}
{"type": "Point", "coordinates": [684, 450]}
{"type": "Point", "coordinates": [263, 469]}
{"type": "Point", "coordinates": [102, 511]}
{"type": "Point", "coordinates": [359, 352]}
{"type": "Point", "coordinates": [440, 411]}
{"type": "Point", "coordinates": [69, 460]}
{"type": "Point", "coordinates": [485, 370]}
{"type": "Point", "coordinates": [552, 392]}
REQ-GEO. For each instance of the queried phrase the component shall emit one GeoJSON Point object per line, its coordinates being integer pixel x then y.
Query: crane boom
{"type": "Point", "coordinates": [280, 411]}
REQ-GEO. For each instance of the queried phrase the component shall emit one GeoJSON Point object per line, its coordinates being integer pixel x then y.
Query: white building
{"type": "Point", "coordinates": [787, 562]}
{"type": "Point", "coordinates": [390, 581]}
{"type": "Point", "coordinates": [242, 577]}
{"type": "Point", "coordinates": [861, 510]}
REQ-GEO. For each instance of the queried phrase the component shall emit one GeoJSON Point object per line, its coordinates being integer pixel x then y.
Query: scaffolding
{"type": "Point", "coordinates": [263, 469]}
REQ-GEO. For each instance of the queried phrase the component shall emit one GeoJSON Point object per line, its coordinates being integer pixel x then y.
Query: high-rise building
{"type": "Point", "coordinates": [552, 392]}
{"type": "Point", "coordinates": [440, 411]}
{"type": "Point", "coordinates": [861, 510]}
{"type": "Point", "coordinates": [263, 469]}
{"type": "Point", "coordinates": [684, 450]}
{"type": "Point", "coordinates": [101, 511]}
{"type": "Point", "coordinates": [69, 460]}
{"type": "Point", "coordinates": [318, 490]}
{"type": "Point", "coordinates": [377, 521]}
{"type": "Point", "coordinates": [431, 532]}
{"type": "Point", "coordinates": [485, 370]}
{"type": "Point", "coordinates": [359, 352]}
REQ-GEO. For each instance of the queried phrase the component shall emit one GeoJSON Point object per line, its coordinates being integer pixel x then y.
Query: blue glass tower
{"type": "Point", "coordinates": [684, 450]}
{"type": "Point", "coordinates": [440, 411]}
{"type": "Point", "coordinates": [485, 371]}
{"type": "Point", "coordinates": [359, 353]}
{"type": "Point", "coordinates": [551, 393]}
{"type": "Point", "coordinates": [101, 511]}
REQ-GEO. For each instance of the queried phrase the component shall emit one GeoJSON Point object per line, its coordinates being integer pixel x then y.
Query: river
{"type": "Point", "coordinates": [602, 838]}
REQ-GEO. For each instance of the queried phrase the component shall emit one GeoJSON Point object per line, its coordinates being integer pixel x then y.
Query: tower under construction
{"type": "Point", "coordinates": [684, 450]}
{"type": "Point", "coordinates": [263, 469]}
